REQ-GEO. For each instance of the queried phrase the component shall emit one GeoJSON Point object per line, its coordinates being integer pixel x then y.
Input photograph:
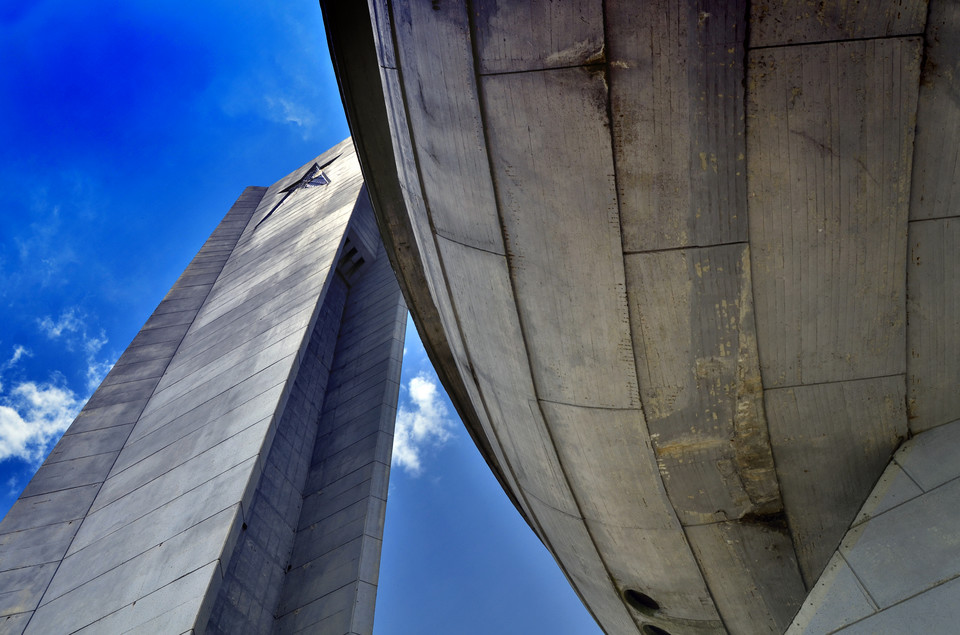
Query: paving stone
{"type": "Point", "coordinates": [873, 549]}
{"type": "Point", "coordinates": [935, 611]}
{"type": "Point", "coordinates": [933, 457]}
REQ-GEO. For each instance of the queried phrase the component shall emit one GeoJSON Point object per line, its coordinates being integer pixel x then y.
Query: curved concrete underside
{"type": "Point", "coordinates": [689, 271]}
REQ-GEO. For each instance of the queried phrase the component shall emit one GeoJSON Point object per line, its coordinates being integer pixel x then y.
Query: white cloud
{"type": "Point", "coordinates": [426, 425]}
{"type": "Point", "coordinates": [96, 371]}
{"type": "Point", "coordinates": [33, 417]}
{"type": "Point", "coordinates": [18, 352]}
{"type": "Point", "coordinates": [72, 326]}
{"type": "Point", "coordinates": [67, 322]}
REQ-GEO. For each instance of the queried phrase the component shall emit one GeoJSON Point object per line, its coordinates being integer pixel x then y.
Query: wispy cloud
{"type": "Point", "coordinates": [18, 352]}
{"type": "Point", "coordinates": [286, 110]}
{"type": "Point", "coordinates": [71, 327]}
{"type": "Point", "coordinates": [33, 416]}
{"type": "Point", "coordinates": [425, 425]}
{"type": "Point", "coordinates": [68, 322]}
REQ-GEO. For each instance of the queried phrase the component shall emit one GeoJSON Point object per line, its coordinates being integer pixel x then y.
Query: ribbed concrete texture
{"type": "Point", "coordinates": [689, 270]}
{"type": "Point", "coordinates": [252, 414]}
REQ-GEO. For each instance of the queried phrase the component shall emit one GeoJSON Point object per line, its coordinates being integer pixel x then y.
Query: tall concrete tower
{"type": "Point", "coordinates": [230, 474]}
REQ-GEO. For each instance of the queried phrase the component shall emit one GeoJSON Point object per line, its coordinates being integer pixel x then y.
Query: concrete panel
{"type": "Point", "coordinates": [933, 330]}
{"type": "Point", "coordinates": [210, 437]}
{"type": "Point", "coordinates": [337, 495]}
{"type": "Point", "coordinates": [226, 369]}
{"type": "Point", "coordinates": [326, 612]}
{"type": "Point", "coordinates": [229, 385]}
{"type": "Point", "coordinates": [894, 488]}
{"type": "Point", "coordinates": [559, 210]}
{"type": "Point", "coordinates": [136, 578]}
{"type": "Point", "coordinates": [330, 571]}
{"type": "Point", "coordinates": [84, 444]}
{"type": "Point", "coordinates": [254, 571]}
{"type": "Point", "coordinates": [38, 545]}
{"type": "Point", "coordinates": [126, 391]}
{"type": "Point", "coordinates": [53, 477]}
{"type": "Point", "coordinates": [14, 623]}
{"type": "Point", "coordinates": [140, 534]}
{"type": "Point", "coordinates": [935, 191]}
{"type": "Point", "coordinates": [775, 22]}
{"type": "Point", "coordinates": [752, 573]}
{"type": "Point", "coordinates": [526, 36]}
{"type": "Point", "coordinates": [138, 370]}
{"type": "Point", "coordinates": [159, 320]}
{"type": "Point", "coordinates": [383, 32]}
{"type": "Point", "coordinates": [437, 61]}
{"type": "Point", "coordinates": [234, 454]}
{"type": "Point", "coordinates": [931, 522]}
{"type": "Point", "coordinates": [236, 406]}
{"type": "Point", "coordinates": [420, 225]}
{"type": "Point", "coordinates": [932, 458]}
{"type": "Point", "coordinates": [173, 333]}
{"type": "Point", "coordinates": [49, 509]}
{"type": "Point", "coordinates": [341, 519]}
{"type": "Point", "coordinates": [329, 532]}
{"type": "Point", "coordinates": [23, 588]}
{"type": "Point", "coordinates": [847, 430]}
{"type": "Point", "coordinates": [148, 352]}
{"type": "Point", "coordinates": [837, 600]}
{"type": "Point", "coordinates": [197, 465]}
{"type": "Point", "coordinates": [828, 170]}
{"type": "Point", "coordinates": [487, 314]}
{"type": "Point", "coordinates": [676, 97]}
{"type": "Point", "coordinates": [573, 547]}
{"type": "Point", "coordinates": [695, 341]}
{"type": "Point", "coordinates": [936, 611]}
{"type": "Point", "coordinates": [248, 320]}
{"type": "Point", "coordinates": [610, 464]}
{"type": "Point", "coordinates": [363, 609]}
{"type": "Point", "coordinates": [103, 417]}
{"type": "Point", "coordinates": [174, 608]}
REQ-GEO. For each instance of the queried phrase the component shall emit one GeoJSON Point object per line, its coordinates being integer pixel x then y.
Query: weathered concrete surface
{"type": "Point", "coordinates": [662, 267]}
{"type": "Point", "coordinates": [182, 482]}
{"type": "Point", "coordinates": [676, 87]}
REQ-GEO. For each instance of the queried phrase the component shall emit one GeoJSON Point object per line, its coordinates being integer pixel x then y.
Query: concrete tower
{"type": "Point", "coordinates": [230, 474]}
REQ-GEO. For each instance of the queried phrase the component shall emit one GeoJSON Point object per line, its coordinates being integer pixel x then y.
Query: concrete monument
{"type": "Point", "coordinates": [230, 474]}
{"type": "Point", "coordinates": [689, 272]}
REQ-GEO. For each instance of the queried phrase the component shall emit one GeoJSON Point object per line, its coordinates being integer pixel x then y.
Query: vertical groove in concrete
{"type": "Point", "coordinates": [254, 573]}
{"type": "Point", "coordinates": [331, 577]}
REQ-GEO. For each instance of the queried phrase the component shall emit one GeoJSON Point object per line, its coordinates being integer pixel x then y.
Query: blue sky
{"type": "Point", "coordinates": [128, 129]}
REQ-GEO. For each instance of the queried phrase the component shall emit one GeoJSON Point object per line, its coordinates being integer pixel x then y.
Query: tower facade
{"type": "Point", "coordinates": [230, 474]}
